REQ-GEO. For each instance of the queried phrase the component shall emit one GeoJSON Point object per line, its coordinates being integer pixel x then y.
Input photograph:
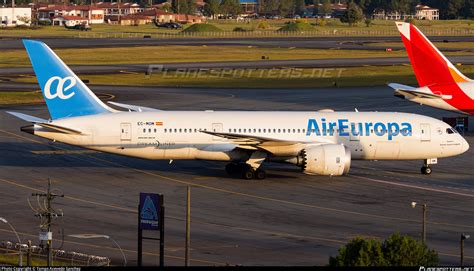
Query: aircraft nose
{"type": "Point", "coordinates": [464, 145]}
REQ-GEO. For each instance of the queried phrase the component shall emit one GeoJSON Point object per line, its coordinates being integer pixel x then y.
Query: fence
{"type": "Point", "coordinates": [63, 257]}
{"type": "Point", "coordinates": [275, 34]}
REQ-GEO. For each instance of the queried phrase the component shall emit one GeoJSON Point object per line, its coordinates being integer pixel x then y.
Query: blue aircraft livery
{"type": "Point", "coordinates": [343, 127]}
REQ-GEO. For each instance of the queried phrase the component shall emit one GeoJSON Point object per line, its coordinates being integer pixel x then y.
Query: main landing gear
{"type": "Point", "coordinates": [426, 169]}
{"type": "Point", "coordinates": [245, 171]}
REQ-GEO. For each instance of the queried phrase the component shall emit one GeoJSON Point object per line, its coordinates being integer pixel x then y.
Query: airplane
{"type": "Point", "coordinates": [320, 143]}
{"type": "Point", "coordinates": [441, 84]}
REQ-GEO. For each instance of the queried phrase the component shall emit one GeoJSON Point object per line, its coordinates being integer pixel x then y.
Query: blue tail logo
{"type": "Point", "coordinates": [65, 94]}
{"type": "Point", "coordinates": [60, 88]}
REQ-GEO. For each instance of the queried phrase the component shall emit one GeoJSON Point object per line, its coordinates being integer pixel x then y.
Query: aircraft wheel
{"type": "Point", "coordinates": [426, 170]}
{"type": "Point", "coordinates": [248, 173]}
{"type": "Point", "coordinates": [260, 174]}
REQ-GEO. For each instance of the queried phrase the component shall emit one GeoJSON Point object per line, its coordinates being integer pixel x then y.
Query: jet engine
{"type": "Point", "coordinates": [327, 159]}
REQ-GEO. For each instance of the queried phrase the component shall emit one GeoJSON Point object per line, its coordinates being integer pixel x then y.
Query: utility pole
{"type": "Point", "coordinates": [49, 213]}
{"type": "Point", "coordinates": [463, 238]}
{"type": "Point", "coordinates": [188, 226]}
{"type": "Point", "coordinates": [423, 232]}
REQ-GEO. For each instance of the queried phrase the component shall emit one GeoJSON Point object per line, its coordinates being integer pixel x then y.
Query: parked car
{"type": "Point", "coordinates": [170, 25]}
{"type": "Point", "coordinates": [82, 27]}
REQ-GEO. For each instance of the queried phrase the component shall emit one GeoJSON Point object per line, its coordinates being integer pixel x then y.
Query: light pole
{"type": "Point", "coordinates": [20, 261]}
{"type": "Point", "coordinates": [463, 237]}
{"type": "Point", "coordinates": [423, 229]}
{"type": "Point", "coordinates": [95, 236]}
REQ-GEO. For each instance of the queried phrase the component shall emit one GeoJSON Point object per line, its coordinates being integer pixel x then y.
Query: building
{"type": "Point", "coordinates": [111, 9]}
{"type": "Point", "coordinates": [165, 17]}
{"type": "Point", "coordinates": [426, 13]}
{"type": "Point", "coordinates": [337, 10]}
{"type": "Point", "coordinates": [422, 13]}
{"type": "Point", "coordinates": [15, 16]}
{"type": "Point", "coordinates": [68, 20]}
{"type": "Point", "coordinates": [249, 6]}
{"type": "Point", "coordinates": [93, 15]}
{"type": "Point", "coordinates": [134, 19]}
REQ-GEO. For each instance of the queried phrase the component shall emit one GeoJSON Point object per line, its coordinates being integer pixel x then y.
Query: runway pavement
{"type": "Point", "coordinates": [287, 219]}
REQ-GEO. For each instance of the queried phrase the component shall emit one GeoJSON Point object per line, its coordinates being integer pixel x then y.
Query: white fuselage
{"type": "Point", "coordinates": [179, 134]}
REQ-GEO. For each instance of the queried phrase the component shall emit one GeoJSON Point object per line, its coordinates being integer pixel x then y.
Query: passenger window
{"type": "Point", "coordinates": [144, 130]}
{"type": "Point", "coordinates": [175, 130]}
{"type": "Point", "coordinates": [154, 130]}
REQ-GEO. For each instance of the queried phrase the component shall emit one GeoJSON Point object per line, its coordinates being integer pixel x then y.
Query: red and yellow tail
{"type": "Point", "coordinates": [431, 67]}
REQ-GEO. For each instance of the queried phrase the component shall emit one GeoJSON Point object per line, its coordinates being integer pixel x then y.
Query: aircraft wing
{"type": "Point", "coordinates": [44, 123]}
{"type": "Point", "coordinates": [134, 108]}
{"type": "Point", "coordinates": [408, 92]}
{"type": "Point", "coordinates": [258, 142]}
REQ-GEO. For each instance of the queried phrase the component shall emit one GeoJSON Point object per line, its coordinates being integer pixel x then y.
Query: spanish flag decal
{"type": "Point", "coordinates": [159, 123]}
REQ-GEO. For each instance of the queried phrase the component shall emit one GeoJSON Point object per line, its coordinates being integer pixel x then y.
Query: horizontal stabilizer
{"type": "Point", "coordinates": [26, 117]}
{"type": "Point", "coordinates": [400, 86]}
{"type": "Point", "coordinates": [44, 123]}
{"type": "Point", "coordinates": [134, 108]}
{"type": "Point", "coordinates": [407, 92]}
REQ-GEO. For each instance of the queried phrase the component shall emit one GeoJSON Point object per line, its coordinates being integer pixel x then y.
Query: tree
{"type": "Point", "coordinates": [326, 8]}
{"type": "Point", "coordinates": [299, 7]}
{"type": "Point", "coordinates": [212, 8]}
{"type": "Point", "coordinates": [449, 9]}
{"type": "Point", "coordinates": [359, 252]}
{"type": "Point", "coordinates": [231, 7]}
{"type": "Point", "coordinates": [397, 250]}
{"type": "Point", "coordinates": [269, 6]}
{"type": "Point", "coordinates": [353, 14]}
{"type": "Point", "coordinates": [401, 250]}
{"type": "Point", "coordinates": [286, 8]}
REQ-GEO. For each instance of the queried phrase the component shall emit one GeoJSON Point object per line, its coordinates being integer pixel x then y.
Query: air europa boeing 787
{"type": "Point", "coordinates": [441, 85]}
{"type": "Point", "coordinates": [320, 143]}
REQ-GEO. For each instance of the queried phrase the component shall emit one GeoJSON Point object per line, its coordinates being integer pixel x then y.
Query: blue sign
{"type": "Point", "coordinates": [150, 205]}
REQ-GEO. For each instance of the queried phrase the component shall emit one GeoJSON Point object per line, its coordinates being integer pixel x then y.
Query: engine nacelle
{"type": "Point", "coordinates": [327, 159]}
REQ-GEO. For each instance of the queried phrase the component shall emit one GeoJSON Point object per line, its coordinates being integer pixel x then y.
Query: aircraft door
{"type": "Point", "coordinates": [217, 128]}
{"type": "Point", "coordinates": [126, 132]}
{"type": "Point", "coordinates": [425, 132]}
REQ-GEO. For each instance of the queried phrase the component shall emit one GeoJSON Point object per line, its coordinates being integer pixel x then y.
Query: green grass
{"type": "Point", "coordinates": [331, 28]}
{"type": "Point", "coordinates": [206, 28]}
{"type": "Point", "coordinates": [265, 78]}
{"type": "Point", "coordinates": [176, 54]}
{"type": "Point", "coordinates": [16, 97]}
{"type": "Point", "coordinates": [297, 26]}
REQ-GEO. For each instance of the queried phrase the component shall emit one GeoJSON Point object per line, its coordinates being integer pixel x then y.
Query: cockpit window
{"type": "Point", "coordinates": [450, 131]}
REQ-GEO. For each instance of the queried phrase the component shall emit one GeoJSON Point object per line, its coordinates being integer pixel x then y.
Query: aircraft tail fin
{"type": "Point", "coordinates": [65, 94]}
{"type": "Point", "coordinates": [431, 67]}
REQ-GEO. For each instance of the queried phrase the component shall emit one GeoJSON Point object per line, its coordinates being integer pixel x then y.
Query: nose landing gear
{"type": "Point", "coordinates": [426, 169]}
